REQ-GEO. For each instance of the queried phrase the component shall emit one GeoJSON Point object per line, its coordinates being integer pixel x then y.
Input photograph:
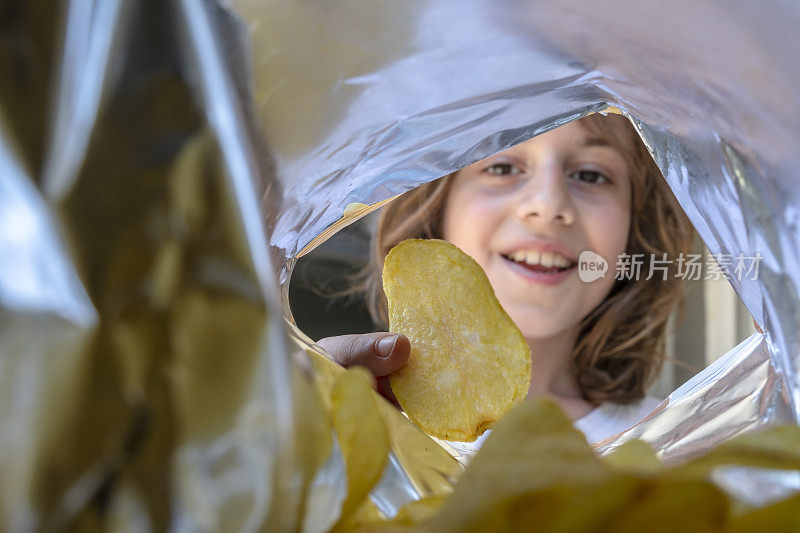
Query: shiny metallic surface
{"type": "Point", "coordinates": [758, 486]}
{"type": "Point", "coordinates": [162, 164]}
{"type": "Point", "coordinates": [741, 391]}
{"type": "Point", "coordinates": [364, 101]}
{"type": "Point", "coordinates": [144, 378]}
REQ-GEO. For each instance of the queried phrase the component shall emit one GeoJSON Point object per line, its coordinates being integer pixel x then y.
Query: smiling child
{"type": "Point", "coordinates": [525, 215]}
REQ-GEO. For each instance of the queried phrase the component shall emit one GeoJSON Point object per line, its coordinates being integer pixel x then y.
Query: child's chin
{"type": "Point", "coordinates": [535, 326]}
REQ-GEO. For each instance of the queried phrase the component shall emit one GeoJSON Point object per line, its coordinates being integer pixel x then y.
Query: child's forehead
{"type": "Point", "coordinates": [577, 135]}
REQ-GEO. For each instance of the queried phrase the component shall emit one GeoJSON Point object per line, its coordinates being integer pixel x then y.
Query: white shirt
{"type": "Point", "coordinates": [605, 421]}
{"type": "Point", "coordinates": [612, 418]}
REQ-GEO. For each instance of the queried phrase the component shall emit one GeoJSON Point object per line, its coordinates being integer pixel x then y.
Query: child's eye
{"type": "Point", "coordinates": [502, 169]}
{"type": "Point", "coordinates": [589, 176]}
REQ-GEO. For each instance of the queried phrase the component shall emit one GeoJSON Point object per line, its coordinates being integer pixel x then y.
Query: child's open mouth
{"type": "Point", "coordinates": [540, 262]}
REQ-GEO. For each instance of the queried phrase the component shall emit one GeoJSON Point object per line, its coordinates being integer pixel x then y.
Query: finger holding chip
{"type": "Point", "coordinates": [381, 353]}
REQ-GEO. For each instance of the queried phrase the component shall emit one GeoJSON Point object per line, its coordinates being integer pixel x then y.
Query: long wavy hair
{"type": "Point", "coordinates": [621, 345]}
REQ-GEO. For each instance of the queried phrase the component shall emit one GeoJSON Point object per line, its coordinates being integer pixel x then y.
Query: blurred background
{"type": "Point", "coordinates": [714, 320]}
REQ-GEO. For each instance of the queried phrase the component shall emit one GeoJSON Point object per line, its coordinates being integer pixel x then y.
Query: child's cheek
{"type": "Point", "coordinates": [470, 220]}
{"type": "Point", "coordinates": [613, 235]}
{"type": "Point", "coordinates": [488, 202]}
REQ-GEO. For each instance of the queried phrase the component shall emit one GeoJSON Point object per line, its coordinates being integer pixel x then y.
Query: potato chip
{"type": "Point", "coordinates": [535, 449]}
{"type": "Point", "coordinates": [419, 511]}
{"type": "Point", "coordinates": [776, 447]}
{"type": "Point", "coordinates": [780, 517]}
{"type": "Point", "coordinates": [469, 363]}
{"type": "Point", "coordinates": [361, 433]}
{"type": "Point", "coordinates": [635, 457]}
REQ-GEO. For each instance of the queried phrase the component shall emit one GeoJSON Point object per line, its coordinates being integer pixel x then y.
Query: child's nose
{"type": "Point", "coordinates": [546, 198]}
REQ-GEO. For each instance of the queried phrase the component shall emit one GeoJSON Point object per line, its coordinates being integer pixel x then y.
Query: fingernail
{"type": "Point", "coordinates": [385, 346]}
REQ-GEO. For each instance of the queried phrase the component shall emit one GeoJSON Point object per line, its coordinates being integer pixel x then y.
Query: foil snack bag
{"type": "Point", "coordinates": [164, 163]}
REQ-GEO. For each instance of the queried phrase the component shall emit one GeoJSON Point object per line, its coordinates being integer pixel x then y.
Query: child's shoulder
{"type": "Point", "coordinates": [609, 419]}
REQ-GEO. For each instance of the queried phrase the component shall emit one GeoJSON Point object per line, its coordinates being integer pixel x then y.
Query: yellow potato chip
{"type": "Point", "coordinates": [361, 433]}
{"type": "Point", "coordinates": [781, 516]}
{"type": "Point", "coordinates": [469, 363]}
{"type": "Point", "coordinates": [635, 457]}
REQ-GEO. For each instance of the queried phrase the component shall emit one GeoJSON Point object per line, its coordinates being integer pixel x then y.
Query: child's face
{"type": "Point", "coordinates": [526, 214]}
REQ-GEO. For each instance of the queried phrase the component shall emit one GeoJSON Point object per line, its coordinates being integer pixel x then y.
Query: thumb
{"type": "Point", "coordinates": [381, 353]}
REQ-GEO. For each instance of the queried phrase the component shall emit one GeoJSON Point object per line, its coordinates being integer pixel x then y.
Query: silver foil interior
{"type": "Point", "coordinates": [314, 106]}
{"type": "Point", "coordinates": [397, 96]}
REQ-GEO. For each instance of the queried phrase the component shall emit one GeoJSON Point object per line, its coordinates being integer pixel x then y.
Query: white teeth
{"type": "Point", "coordinates": [532, 258]}
{"type": "Point", "coordinates": [545, 259]}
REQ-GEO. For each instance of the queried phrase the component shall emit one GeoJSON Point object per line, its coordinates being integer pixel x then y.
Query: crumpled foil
{"type": "Point", "coordinates": [143, 376]}
{"type": "Point", "coordinates": [363, 101]}
{"type": "Point", "coordinates": [162, 164]}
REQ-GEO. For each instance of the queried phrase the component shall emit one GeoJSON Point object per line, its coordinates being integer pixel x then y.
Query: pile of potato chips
{"type": "Point", "coordinates": [536, 472]}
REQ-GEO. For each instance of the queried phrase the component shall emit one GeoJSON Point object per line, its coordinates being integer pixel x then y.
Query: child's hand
{"type": "Point", "coordinates": [381, 353]}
